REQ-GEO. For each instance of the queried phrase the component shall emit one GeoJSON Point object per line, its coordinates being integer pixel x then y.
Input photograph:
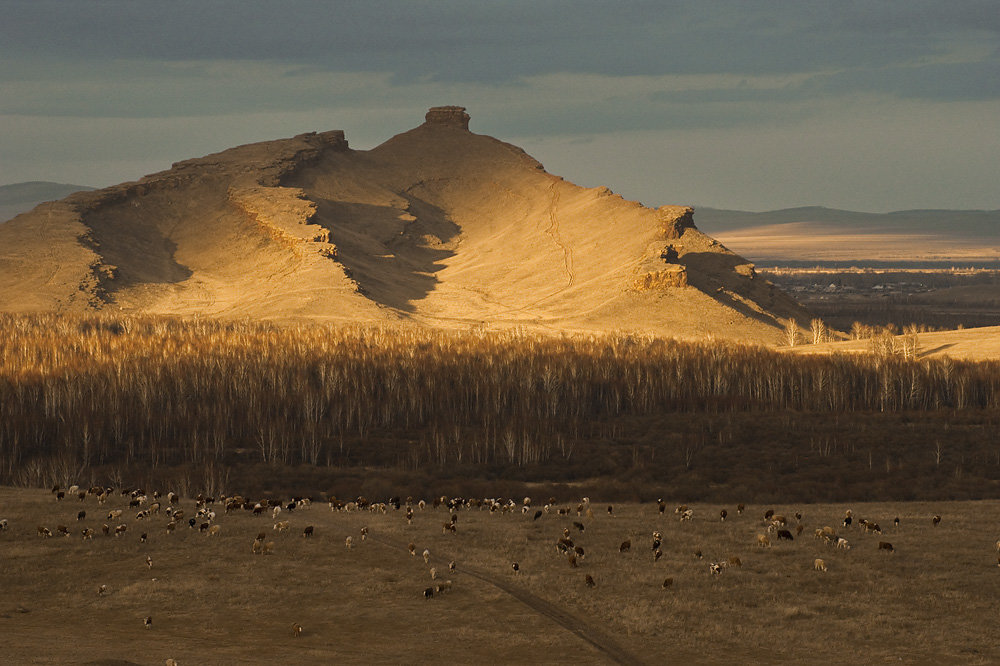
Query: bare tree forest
{"type": "Point", "coordinates": [83, 396]}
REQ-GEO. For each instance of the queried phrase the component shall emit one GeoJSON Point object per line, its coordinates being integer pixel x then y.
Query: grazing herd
{"type": "Point", "coordinates": [763, 535]}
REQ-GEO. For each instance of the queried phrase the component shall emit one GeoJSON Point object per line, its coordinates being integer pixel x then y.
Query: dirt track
{"type": "Point", "coordinates": [585, 631]}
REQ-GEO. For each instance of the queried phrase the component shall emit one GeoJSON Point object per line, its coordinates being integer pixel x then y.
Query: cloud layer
{"type": "Point", "coordinates": [911, 89]}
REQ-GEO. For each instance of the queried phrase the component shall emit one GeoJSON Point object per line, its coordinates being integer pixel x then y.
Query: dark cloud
{"type": "Point", "coordinates": [448, 40]}
{"type": "Point", "coordinates": [134, 84]}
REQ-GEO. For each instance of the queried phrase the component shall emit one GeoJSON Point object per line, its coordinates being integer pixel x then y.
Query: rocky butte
{"type": "Point", "coordinates": [437, 226]}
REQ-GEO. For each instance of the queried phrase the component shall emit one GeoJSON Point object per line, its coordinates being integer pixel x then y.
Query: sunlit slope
{"type": "Point", "coordinates": [438, 225]}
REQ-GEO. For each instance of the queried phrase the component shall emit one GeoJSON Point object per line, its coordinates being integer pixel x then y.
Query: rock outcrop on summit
{"type": "Point", "coordinates": [437, 226]}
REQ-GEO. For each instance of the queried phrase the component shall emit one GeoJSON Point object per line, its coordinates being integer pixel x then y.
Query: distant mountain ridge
{"type": "Point", "coordinates": [817, 233]}
{"type": "Point", "coordinates": [18, 198]}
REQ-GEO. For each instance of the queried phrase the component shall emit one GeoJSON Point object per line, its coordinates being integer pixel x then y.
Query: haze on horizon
{"type": "Point", "coordinates": [760, 106]}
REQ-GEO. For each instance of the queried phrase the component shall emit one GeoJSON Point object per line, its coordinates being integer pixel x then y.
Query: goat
{"type": "Point", "coordinates": [936, 520]}
{"type": "Point", "coordinates": [214, 530]}
{"type": "Point", "coordinates": [715, 568]}
{"type": "Point", "coordinates": [281, 525]}
{"type": "Point", "coordinates": [296, 630]}
{"type": "Point", "coordinates": [763, 540]}
{"type": "Point", "coordinates": [349, 542]}
{"type": "Point", "coordinates": [786, 535]}
{"type": "Point", "coordinates": [626, 546]}
{"type": "Point", "coordinates": [308, 531]}
{"type": "Point", "coordinates": [3, 525]}
{"type": "Point", "coordinates": [81, 515]}
{"type": "Point", "coordinates": [434, 573]}
{"type": "Point", "coordinates": [44, 532]}
{"type": "Point", "coordinates": [734, 561]}
{"type": "Point", "coordinates": [589, 580]}
{"type": "Point", "coordinates": [427, 556]}
{"type": "Point", "coordinates": [886, 546]}
{"type": "Point", "coordinates": [723, 514]}
{"type": "Point", "coordinates": [428, 592]}
{"type": "Point", "coordinates": [819, 565]}
{"type": "Point", "coordinates": [148, 621]}
{"type": "Point", "coordinates": [667, 582]}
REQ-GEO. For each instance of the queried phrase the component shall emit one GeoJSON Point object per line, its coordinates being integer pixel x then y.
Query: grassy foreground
{"type": "Point", "coordinates": [215, 602]}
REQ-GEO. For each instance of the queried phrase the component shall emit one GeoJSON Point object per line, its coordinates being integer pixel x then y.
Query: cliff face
{"type": "Point", "coordinates": [438, 225]}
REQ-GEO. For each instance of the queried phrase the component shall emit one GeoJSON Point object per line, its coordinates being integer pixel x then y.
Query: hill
{"type": "Point", "coordinates": [815, 234]}
{"type": "Point", "coordinates": [19, 198]}
{"type": "Point", "coordinates": [437, 226]}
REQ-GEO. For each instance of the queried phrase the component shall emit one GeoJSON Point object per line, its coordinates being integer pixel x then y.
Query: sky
{"type": "Point", "coordinates": [745, 104]}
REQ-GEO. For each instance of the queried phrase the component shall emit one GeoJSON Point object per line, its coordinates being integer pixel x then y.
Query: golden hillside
{"type": "Point", "coordinates": [437, 226]}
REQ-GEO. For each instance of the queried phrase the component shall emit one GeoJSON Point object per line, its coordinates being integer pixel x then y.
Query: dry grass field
{"type": "Point", "coordinates": [970, 344]}
{"type": "Point", "coordinates": [213, 601]}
